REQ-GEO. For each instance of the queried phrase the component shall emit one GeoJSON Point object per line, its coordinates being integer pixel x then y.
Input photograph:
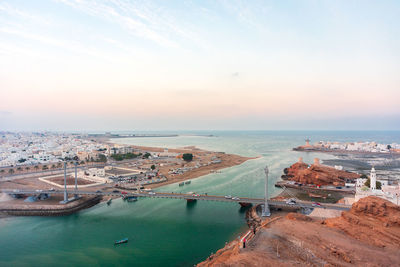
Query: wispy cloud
{"type": "Point", "coordinates": [72, 46]}
{"type": "Point", "coordinates": [6, 8]}
{"type": "Point", "coordinates": [125, 15]}
{"type": "Point", "coordinates": [141, 19]}
{"type": "Point", "coordinates": [247, 13]}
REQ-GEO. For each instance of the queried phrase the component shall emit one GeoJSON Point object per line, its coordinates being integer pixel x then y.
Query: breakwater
{"type": "Point", "coordinates": [49, 210]}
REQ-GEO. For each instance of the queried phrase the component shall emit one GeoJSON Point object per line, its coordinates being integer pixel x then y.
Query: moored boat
{"type": "Point", "coordinates": [181, 184]}
{"type": "Point", "coordinates": [125, 240]}
{"type": "Point", "coordinates": [188, 182]}
{"type": "Point", "coordinates": [109, 201]}
{"type": "Point", "coordinates": [131, 199]}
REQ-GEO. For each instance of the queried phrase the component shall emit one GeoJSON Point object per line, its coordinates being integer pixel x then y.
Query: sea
{"type": "Point", "coordinates": [168, 232]}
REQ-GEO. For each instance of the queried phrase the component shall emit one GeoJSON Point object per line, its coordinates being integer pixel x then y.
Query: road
{"type": "Point", "coordinates": [272, 203]}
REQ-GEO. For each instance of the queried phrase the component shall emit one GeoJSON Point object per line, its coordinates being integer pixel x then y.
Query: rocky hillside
{"type": "Point", "coordinates": [317, 174]}
{"type": "Point", "coordinates": [372, 220]}
{"type": "Point", "coordinates": [367, 235]}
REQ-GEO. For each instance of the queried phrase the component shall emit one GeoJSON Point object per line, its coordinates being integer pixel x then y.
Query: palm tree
{"type": "Point", "coordinates": [44, 167]}
{"type": "Point", "coordinates": [2, 171]}
{"type": "Point", "coordinates": [27, 168]}
{"type": "Point", "coordinates": [59, 165]}
{"type": "Point", "coordinates": [19, 169]}
{"type": "Point", "coordinates": [36, 167]}
{"type": "Point", "coordinates": [53, 166]}
{"type": "Point", "coordinates": [10, 171]}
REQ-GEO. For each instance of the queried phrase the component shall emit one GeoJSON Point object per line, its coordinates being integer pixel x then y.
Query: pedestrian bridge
{"type": "Point", "coordinates": [255, 201]}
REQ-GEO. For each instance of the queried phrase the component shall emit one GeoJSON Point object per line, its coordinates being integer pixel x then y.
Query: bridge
{"type": "Point", "coordinates": [266, 202]}
{"type": "Point", "coordinates": [254, 201]}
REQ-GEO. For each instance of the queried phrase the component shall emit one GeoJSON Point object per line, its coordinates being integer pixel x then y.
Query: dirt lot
{"type": "Point", "coordinates": [70, 180]}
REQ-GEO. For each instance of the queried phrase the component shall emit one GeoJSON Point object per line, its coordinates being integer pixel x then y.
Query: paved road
{"type": "Point", "coordinates": [284, 184]}
{"type": "Point", "coordinates": [273, 203]}
{"type": "Point", "coordinates": [7, 177]}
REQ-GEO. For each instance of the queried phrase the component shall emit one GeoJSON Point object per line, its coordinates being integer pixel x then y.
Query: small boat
{"type": "Point", "coordinates": [188, 182]}
{"type": "Point", "coordinates": [109, 202]}
{"type": "Point", "coordinates": [131, 199]}
{"type": "Point", "coordinates": [181, 184]}
{"type": "Point", "coordinates": [125, 240]}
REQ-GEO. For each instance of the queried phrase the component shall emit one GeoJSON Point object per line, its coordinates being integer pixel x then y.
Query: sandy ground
{"type": "Point", "coordinates": [227, 160]}
{"type": "Point", "coordinates": [319, 213]}
{"type": "Point", "coordinates": [70, 180]}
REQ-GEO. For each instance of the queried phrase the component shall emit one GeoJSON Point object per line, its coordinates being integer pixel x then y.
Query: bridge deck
{"type": "Point", "coordinates": [273, 203]}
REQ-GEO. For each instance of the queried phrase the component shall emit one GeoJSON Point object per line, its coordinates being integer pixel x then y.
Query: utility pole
{"type": "Point", "coordinates": [266, 212]}
{"type": "Point", "coordinates": [65, 183]}
{"type": "Point", "coordinates": [76, 179]}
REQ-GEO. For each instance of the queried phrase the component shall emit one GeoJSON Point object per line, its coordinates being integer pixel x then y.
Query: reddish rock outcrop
{"type": "Point", "coordinates": [317, 174]}
{"type": "Point", "coordinates": [367, 235]}
{"type": "Point", "coordinates": [372, 220]}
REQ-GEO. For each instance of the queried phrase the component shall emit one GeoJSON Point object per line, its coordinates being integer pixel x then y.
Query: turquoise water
{"type": "Point", "coordinates": [165, 232]}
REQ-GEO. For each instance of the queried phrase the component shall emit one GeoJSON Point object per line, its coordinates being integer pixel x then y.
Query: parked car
{"type": "Point", "coordinates": [52, 189]}
{"type": "Point", "coordinates": [196, 195]}
{"type": "Point", "coordinates": [291, 201]}
{"type": "Point", "coordinates": [99, 191]}
{"type": "Point", "coordinates": [39, 190]}
{"type": "Point", "coordinates": [152, 193]}
{"type": "Point", "coordinates": [316, 204]}
{"type": "Point", "coordinates": [123, 192]}
{"type": "Point", "coordinates": [228, 197]}
{"type": "Point", "coordinates": [236, 198]}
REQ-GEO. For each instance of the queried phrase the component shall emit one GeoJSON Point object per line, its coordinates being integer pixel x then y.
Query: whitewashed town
{"type": "Point", "coordinates": [363, 147]}
{"type": "Point", "coordinates": [49, 160]}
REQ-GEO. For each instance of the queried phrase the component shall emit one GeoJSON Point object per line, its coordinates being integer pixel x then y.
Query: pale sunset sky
{"type": "Point", "coordinates": [199, 65]}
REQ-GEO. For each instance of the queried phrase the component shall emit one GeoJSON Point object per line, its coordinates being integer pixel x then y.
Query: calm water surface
{"type": "Point", "coordinates": [165, 232]}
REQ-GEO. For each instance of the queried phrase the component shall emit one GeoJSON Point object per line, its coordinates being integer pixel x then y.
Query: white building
{"type": "Point", "coordinates": [388, 192]}
{"type": "Point", "coordinates": [373, 180]}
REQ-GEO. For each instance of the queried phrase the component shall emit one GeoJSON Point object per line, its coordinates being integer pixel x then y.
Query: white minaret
{"type": "Point", "coordinates": [373, 179]}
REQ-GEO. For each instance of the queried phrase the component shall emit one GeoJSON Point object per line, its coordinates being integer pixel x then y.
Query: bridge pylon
{"type": "Point", "coordinates": [265, 210]}
{"type": "Point", "coordinates": [65, 184]}
{"type": "Point", "coordinates": [76, 179]}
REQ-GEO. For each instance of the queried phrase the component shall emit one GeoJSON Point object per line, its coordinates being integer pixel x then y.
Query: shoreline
{"type": "Point", "coordinates": [338, 151]}
{"type": "Point", "coordinates": [43, 208]}
{"type": "Point", "coordinates": [227, 161]}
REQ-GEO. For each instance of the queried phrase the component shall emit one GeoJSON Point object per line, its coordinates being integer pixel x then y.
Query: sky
{"type": "Point", "coordinates": [77, 65]}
